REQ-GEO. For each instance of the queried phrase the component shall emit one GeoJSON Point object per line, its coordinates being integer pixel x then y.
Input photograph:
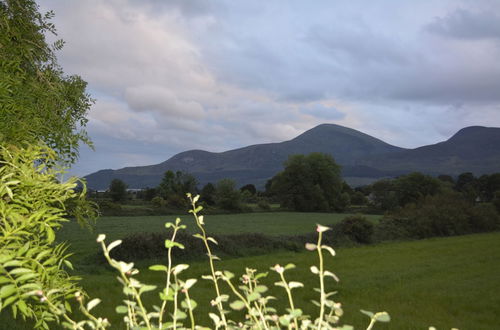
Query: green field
{"type": "Point", "coordinates": [271, 223]}
{"type": "Point", "coordinates": [444, 282]}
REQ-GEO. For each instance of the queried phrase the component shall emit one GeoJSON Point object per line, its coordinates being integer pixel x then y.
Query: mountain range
{"type": "Point", "coordinates": [363, 158]}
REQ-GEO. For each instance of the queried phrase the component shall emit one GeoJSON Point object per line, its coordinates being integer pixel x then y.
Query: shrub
{"type": "Point", "coordinates": [109, 206]}
{"type": "Point", "coordinates": [483, 217]}
{"type": "Point", "coordinates": [440, 215]}
{"type": "Point", "coordinates": [263, 204]}
{"type": "Point", "coordinates": [357, 228]}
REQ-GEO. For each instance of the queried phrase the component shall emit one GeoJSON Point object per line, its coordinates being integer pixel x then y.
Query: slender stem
{"type": "Point", "coordinates": [245, 301]}
{"type": "Point", "coordinates": [372, 322]}
{"type": "Point", "coordinates": [290, 298]}
{"type": "Point", "coordinates": [174, 325]}
{"type": "Point", "coordinates": [127, 282]}
{"type": "Point", "coordinates": [190, 308]}
{"type": "Point", "coordinates": [321, 282]}
{"type": "Point", "coordinates": [210, 258]}
{"type": "Point", "coordinates": [167, 285]}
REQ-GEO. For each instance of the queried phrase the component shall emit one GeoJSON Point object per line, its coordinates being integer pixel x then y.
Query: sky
{"type": "Point", "coordinates": [174, 75]}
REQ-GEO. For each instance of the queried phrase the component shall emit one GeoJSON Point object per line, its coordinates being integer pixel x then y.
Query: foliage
{"type": "Point", "coordinates": [249, 294]}
{"type": "Point", "coordinates": [250, 188]}
{"type": "Point", "coordinates": [357, 228]}
{"type": "Point", "coordinates": [406, 189]}
{"type": "Point", "coordinates": [227, 197]}
{"type": "Point", "coordinates": [440, 215]}
{"type": "Point", "coordinates": [158, 202]}
{"type": "Point", "coordinates": [207, 194]}
{"type": "Point", "coordinates": [263, 204]}
{"type": "Point", "coordinates": [32, 208]}
{"type": "Point", "coordinates": [118, 190]}
{"type": "Point", "coordinates": [37, 101]}
{"type": "Point", "coordinates": [309, 183]}
{"type": "Point", "coordinates": [176, 184]}
{"type": "Point", "coordinates": [358, 198]}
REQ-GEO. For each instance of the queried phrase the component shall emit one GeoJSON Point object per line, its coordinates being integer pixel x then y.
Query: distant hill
{"type": "Point", "coordinates": [363, 158]}
{"type": "Point", "coordinates": [257, 163]}
{"type": "Point", "coordinates": [472, 149]}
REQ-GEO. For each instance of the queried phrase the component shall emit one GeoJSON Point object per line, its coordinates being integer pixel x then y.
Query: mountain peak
{"type": "Point", "coordinates": [475, 133]}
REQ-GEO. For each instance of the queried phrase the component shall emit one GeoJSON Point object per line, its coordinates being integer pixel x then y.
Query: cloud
{"type": "Point", "coordinates": [466, 24]}
{"type": "Point", "coordinates": [163, 101]}
{"type": "Point", "coordinates": [176, 75]}
{"type": "Point", "coordinates": [323, 112]}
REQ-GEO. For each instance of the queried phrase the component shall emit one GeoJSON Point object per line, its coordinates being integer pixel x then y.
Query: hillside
{"type": "Point", "coordinates": [363, 158]}
{"type": "Point", "coordinates": [472, 149]}
{"type": "Point", "coordinates": [256, 163]}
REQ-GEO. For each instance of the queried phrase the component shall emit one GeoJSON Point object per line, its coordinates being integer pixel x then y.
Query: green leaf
{"type": "Point", "coordinates": [121, 309]}
{"type": "Point", "coordinates": [253, 296]}
{"type": "Point", "coordinates": [293, 285]}
{"type": "Point", "coordinates": [7, 290]}
{"type": "Point", "coordinates": [260, 288]}
{"type": "Point", "coordinates": [382, 317]}
{"type": "Point", "coordinates": [237, 305]}
{"type": "Point", "coordinates": [93, 303]}
{"type": "Point", "coordinates": [22, 307]}
{"type": "Point", "coordinates": [368, 313]}
{"type": "Point", "coordinates": [158, 268]}
{"type": "Point", "coordinates": [68, 264]}
{"type": "Point", "coordinates": [114, 244]}
{"type": "Point", "coordinates": [147, 288]}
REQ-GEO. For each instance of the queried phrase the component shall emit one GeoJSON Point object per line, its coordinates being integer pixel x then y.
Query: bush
{"type": "Point", "coordinates": [357, 228]}
{"type": "Point", "coordinates": [109, 206]}
{"type": "Point", "coordinates": [440, 215]}
{"type": "Point", "coordinates": [483, 217]}
{"type": "Point", "coordinates": [263, 204]}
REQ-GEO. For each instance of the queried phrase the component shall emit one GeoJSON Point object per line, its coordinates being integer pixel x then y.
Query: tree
{"type": "Point", "coordinates": [414, 186]}
{"type": "Point", "coordinates": [39, 105]}
{"type": "Point", "coordinates": [178, 183]}
{"type": "Point", "coordinates": [38, 102]}
{"type": "Point", "coordinates": [208, 194]}
{"type": "Point", "coordinates": [309, 183]}
{"type": "Point", "coordinates": [384, 194]}
{"type": "Point", "coordinates": [227, 197]}
{"type": "Point", "coordinates": [118, 190]}
{"type": "Point", "coordinates": [250, 188]}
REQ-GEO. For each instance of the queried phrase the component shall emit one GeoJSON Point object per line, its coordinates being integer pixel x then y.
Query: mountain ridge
{"type": "Point", "coordinates": [362, 157]}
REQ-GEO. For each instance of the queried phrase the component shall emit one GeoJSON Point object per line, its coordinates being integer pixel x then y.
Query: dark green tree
{"type": "Point", "coordinates": [39, 105]}
{"type": "Point", "coordinates": [412, 187]}
{"type": "Point", "coordinates": [38, 102]}
{"type": "Point", "coordinates": [250, 188]}
{"type": "Point", "coordinates": [178, 183]}
{"type": "Point", "coordinates": [310, 183]}
{"type": "Point", "coordinates": [118, 190]}
{"type": "Point", "coordinates": [208, 194]}
{"type": "Point", "coordinates": [384, 194]}
{"type": "Point", "coordinates": [227, 197]}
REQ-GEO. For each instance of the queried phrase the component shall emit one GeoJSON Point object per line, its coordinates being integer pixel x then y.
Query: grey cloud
{"type": "Point", "coordinates": [323, 112]}
{"type": "Point", "coordinates": [467, 24]}
{"type": "Point", "coordinates": [162, 100]}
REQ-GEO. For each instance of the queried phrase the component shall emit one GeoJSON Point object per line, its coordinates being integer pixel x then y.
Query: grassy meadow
{"type": "Point", "coordinates": [444, 282]}
{"type": "Point", "coordinates": [271, 223]}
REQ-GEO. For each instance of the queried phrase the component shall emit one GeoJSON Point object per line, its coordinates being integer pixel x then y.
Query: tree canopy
{"type": "Point", "coordinates": [309, 183]}
{"type": "Point", "coordinates": [38, 102]}
{"type": "Point", "coordinates": [118, 190]}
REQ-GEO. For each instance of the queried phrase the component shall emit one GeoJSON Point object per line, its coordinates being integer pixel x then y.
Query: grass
{"type": "Point", "coordinates": [271, 223]}
{"type": "Point", "coordinates": [444, 282]}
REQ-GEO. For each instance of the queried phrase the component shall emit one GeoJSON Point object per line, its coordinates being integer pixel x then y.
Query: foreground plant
{"type": "Point", "coordinates": [247, 294]}
{"type": "Point", "coordinates": [34, 283]}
